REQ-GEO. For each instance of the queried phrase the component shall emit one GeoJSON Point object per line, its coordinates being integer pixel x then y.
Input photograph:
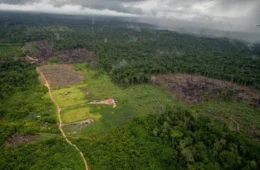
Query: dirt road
{"type": "Point", "coordinates": [60, 121]}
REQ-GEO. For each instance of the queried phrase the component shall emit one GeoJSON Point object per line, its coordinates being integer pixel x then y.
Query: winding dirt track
{"type": "Point", "coordinates": [60, 121]}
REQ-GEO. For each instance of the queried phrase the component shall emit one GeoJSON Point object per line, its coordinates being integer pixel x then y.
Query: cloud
{"type": "Point", "coordinates": [238, 15]}
{"type": "Point", "coordinates": [111, 5]}
{"type": "Point", "coordinates": [208, 10]}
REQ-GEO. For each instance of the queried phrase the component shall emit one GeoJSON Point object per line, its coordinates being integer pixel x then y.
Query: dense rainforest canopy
{"type": "Point", "coordinates": [173, 140]}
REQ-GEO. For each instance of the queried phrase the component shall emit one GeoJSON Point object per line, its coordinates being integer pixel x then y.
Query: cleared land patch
{"type": "Point", "coordinates": [61, 75]}
{"type": "Point", "coordinates": [70, 96]}
{"type": "Point", "coordinates": [133, 101]}
{"type": "Point", "coordinates": [197, 89]}
{"type": "Point", "coordinates": [73, 56]}
{"type": "Point", "coordinates": [17, 140]}
{"type": "Point", "coordinates": [144, 99]}
{"type": "Point", "coordinates": [44, 51]}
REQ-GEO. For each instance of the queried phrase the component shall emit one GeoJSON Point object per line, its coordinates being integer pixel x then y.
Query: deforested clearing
{"type": "Point", "coordinates": [197, 89]}
{"type": "Point", "coordinates": [44, 51]}
{"type": "Point", "coordinates": [17, 140]}
{"type": "Point", "coordinates": [61, 75]}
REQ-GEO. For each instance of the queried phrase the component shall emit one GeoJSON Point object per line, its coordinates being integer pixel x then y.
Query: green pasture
{"type": "Point", "coordinates": [71, 96]}
{"type": "Point", "coordinates": [133, 101]}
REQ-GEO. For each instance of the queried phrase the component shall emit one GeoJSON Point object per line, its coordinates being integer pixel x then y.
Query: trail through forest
{"type": "Point", "coordinates": [60, 121]}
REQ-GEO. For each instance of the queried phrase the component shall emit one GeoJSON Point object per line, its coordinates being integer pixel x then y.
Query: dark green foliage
{"type": "Point", "coordinates": [23, 111]}
{"type": "Point", "coordinates": [10, 50]}
{"type": "Point", "coordinates": [21, 93]}
{"type": "Point", "coordinates": [50, 154]}
{"type": "Point", "coordinates": [173, 140]}
{"type": "Point", "coordinates": [16, 76]}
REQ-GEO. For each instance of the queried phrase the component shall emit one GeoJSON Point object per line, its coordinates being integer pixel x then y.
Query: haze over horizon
{"type": "Point", "coordinates": [222, 15]}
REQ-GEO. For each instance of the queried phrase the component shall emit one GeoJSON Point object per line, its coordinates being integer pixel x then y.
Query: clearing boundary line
{"type": "Point", "coordinates": [60, 121]}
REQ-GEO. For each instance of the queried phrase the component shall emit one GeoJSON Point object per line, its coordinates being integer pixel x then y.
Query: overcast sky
{"type": "Point", "coordinates": [243, 14]}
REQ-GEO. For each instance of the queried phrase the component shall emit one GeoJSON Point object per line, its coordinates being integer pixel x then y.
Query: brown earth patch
{"type": "Point", "coordinates": [196, 89]}
{"type": "Point", "coordinates": [74, 56]}
{"type": "Point", "coordinates": [44, 51]}
{"type": "Point", "coordinates": [41, 50]}
{"type": "Point", "coordinates": [61, 75]}
{"type": "Point", "coordinates": [17, 140]}
{"type": "Point", "coordinates": [31, 59]}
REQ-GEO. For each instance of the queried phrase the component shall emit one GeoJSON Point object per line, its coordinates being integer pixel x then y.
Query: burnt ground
{"type": "Point", "coordinates": [74, 56]}
{"type": "Point", "coordinates": [61, 75]}
{"type": "Point", "coordinates": [17, 140]}
{"type": "Point", "coordinates": [44, 51]}
{"type": "Point", "coordinates": [196, 89]}
{"type": "Point", "coordinates": [41, 50]}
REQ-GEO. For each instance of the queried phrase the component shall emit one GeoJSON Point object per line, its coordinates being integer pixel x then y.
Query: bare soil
{"type": "Point", "coordinates": [196, 89]}
{"type": "Point", "coordinates": [17, 140]}
{"type": "Point", "coordinates": [44, 51]}
{"type": "Point", "coordinates": [31, 59]}
{"type": "Point", "coordinates": [74, 56]}
{"type": "Point", "coordinates": [41, 50]}
{"type": "Point", "coordinates": [106, 102]}
{"type": "Point", "coordinates": [60, 76]}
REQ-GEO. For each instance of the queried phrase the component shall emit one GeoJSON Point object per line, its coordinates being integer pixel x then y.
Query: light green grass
{"type": "Point", "coordinates": [77, 114]}
{"type": "Point", "coordinates": [105, 117]}
{"type": "Point", "coordinates": [74, 97]}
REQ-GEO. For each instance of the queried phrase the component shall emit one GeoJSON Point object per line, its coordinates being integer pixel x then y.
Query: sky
{"type": "Point", "coordinates": [241, 15]}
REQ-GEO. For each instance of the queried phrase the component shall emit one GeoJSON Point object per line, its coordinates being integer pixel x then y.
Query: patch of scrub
{"type": "Point", "coordinates": [47, 136]}
{"type": "Point", "coordinates": [74, 115]}
{"type": "Point", "coordinates": [233, 114]}
{"type": "Point", "coordinates": [111, 117]}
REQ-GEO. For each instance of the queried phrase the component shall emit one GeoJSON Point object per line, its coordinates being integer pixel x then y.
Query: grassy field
{"type": "Point", "coordinates": [144, 99]}
{"type": "Point", "coordinates": [137, 100]}
{"type": "Point", "coordinates": [71, 96]}
{"type": "Point", "coordinates": [80, 113]}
